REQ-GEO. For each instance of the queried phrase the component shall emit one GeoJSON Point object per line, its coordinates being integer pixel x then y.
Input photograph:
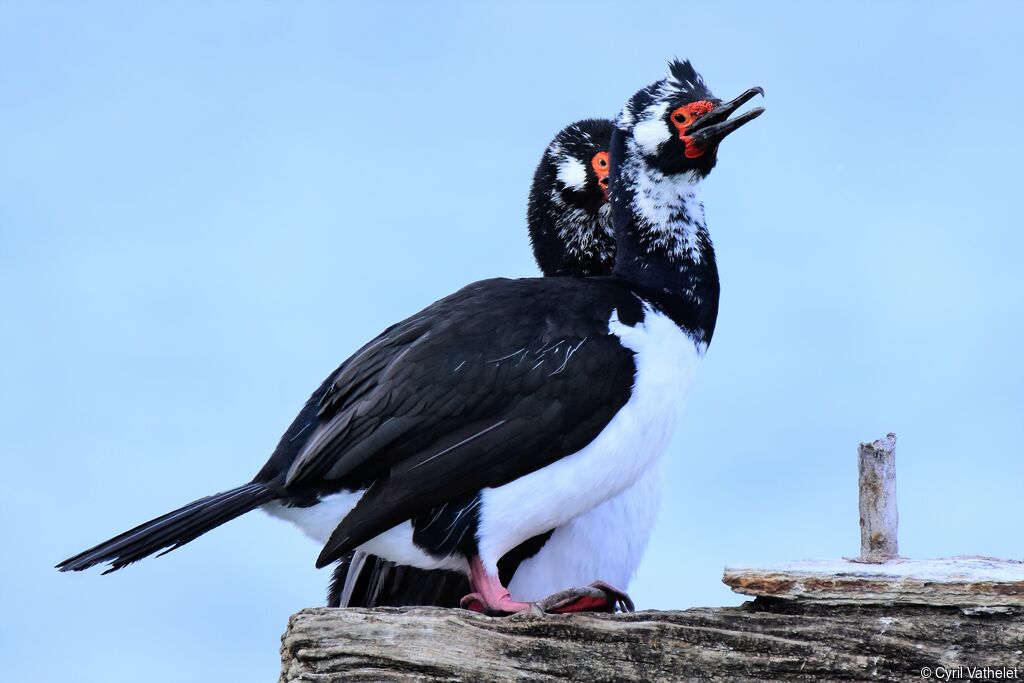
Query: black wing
{"type": "Point", "coordinates": [482, 387]}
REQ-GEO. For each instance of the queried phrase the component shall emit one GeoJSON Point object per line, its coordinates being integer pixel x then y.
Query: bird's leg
{"type": "Point", "coordinates": [597, 597]}
{"type": "Point", "coordinates": [488, 595]}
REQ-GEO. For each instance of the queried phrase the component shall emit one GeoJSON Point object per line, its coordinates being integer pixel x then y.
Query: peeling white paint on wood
{"type": "Point", "coordinates": [963, 581]}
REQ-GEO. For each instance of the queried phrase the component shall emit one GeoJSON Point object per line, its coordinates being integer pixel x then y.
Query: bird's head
{"type": "Point", "coordinates": [579, 158]}
{"type": "Point", "coordinates": [677, 124]}
{"type": "Point", "coordinates": [569, 217]}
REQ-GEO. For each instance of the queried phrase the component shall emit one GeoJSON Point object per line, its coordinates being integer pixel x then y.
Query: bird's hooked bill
{"type": "Point", "coordinates": [712, 127]}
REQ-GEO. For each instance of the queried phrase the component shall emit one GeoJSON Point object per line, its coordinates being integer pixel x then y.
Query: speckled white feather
{"type": "Point", "coordinates": [652, 131]}
{"type": "Point", "coordinates": [667, 208]}
{"type": "Point", "coordinates": [572, 173]}
{"type": "Point", "coordinates": [579, 231]}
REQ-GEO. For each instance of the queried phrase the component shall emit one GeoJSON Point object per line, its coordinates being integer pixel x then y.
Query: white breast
{"type": "Point", "coordinates": [627, 448]}
{"type": "Point", "coordinates": [604, 544]}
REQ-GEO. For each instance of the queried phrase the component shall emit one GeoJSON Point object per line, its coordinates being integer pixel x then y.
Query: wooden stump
{"type": "Point", "coordinates": [767, 640]}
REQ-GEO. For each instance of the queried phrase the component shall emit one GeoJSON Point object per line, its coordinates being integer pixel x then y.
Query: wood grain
{"type": "Point", "coordinates": [766, 640]}
{"type": "Point", "coordinates": [964, 581]}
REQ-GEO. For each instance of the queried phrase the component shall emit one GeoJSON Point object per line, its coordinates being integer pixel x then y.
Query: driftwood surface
{"type": "Point", "coordinates": [765, 640]}
{"type": "Point", "coordinates": [964, 581]}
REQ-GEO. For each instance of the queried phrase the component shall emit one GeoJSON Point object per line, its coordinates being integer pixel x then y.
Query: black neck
{"type": "Point", "coordinates": [667, 257]}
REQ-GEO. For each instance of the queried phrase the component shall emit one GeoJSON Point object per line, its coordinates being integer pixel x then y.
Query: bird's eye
{"type": "Point", "coordinates": [685, 115]}
{"type": "Point", "coordinates": [599, 162]}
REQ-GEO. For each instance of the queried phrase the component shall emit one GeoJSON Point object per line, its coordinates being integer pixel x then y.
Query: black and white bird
{"type": "Point", "coordinates": [570, 227]}
{"type": "Point", "coordinates": [510, 407]}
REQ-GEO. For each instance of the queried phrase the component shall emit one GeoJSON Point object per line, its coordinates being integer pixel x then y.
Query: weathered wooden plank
{"type": "Point", "coordinates": [767, 640]}
{"type": "Point", "coordinates": [956, 581]}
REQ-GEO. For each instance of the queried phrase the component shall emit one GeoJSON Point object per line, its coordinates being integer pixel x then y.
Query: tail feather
{"type": "Point", "coordinates": [362, 580]}
{"type": "Point", "coordinates": [172, 530]}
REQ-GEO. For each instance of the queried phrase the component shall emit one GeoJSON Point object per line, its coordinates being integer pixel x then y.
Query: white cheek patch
{"type": "Point", "coordinates": [652, 132]}
{"type": "Point", "coordinates": [572, 173]}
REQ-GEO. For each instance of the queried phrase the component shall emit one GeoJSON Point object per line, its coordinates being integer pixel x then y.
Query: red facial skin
{"type": "Point", "coordinates": [599, 162]}
{"type": "Point", "coordinates": [682, 118]}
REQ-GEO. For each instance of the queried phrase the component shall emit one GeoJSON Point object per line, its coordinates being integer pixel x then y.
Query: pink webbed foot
{"type": "Point", "coordinates": [502, 606]}
{"type": "Point", "coordinates": [488, 595]}
{"type": "Point", "coordinates": [492, 598]}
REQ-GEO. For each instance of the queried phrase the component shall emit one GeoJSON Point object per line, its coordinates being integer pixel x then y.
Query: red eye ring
{"type": "Point", "coordinates": [683, 116]}
{"type": "Point", "coordinates": [600, 163]}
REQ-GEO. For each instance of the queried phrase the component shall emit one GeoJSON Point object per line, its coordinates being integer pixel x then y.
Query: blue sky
{"type": "Point", "coordinates": [206, 206]}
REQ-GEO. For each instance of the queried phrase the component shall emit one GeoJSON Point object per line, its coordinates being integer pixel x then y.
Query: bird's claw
{"type": "Point", "coordinates": [597, 597]}
{"type": "Point", "coordinates": [474, 602]}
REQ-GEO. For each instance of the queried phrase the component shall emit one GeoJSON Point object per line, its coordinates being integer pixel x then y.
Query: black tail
{"type": "Point", "coordinates": [172, 530]}
{"type": "Point", "coordinates": [362, 580]}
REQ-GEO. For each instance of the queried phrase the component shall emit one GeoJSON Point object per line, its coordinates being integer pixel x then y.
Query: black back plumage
{"type": "Point", "coordinates": [476, 398]}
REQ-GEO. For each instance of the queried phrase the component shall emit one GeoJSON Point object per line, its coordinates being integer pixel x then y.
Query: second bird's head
{"type": "Point", "coordinates": [568, 214]}
{"type": "Point", "coordinates": [578, 156]}
{"type": "Point", "coordinates": [676, 124]}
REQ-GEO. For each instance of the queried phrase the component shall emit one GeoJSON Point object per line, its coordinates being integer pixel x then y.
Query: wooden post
{"type": "Point", "coordinates": [880, 576]}
{"type": "Point", "coordinates": [879, 518]}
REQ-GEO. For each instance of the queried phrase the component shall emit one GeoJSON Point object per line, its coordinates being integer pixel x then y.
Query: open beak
{"type": "Point", "coordinates": [711, 128]}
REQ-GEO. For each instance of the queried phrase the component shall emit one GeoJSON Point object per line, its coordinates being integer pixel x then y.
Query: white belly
{"type": "Point", "coordinates": [395, 544]}
{"type": "Point", "coordinates": [615, 460]}
{"type": "Point", "coordinates": [604, 544]}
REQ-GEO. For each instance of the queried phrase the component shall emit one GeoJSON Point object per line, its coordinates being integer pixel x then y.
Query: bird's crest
{"type": "Point", "coordinates": [681, 84]}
